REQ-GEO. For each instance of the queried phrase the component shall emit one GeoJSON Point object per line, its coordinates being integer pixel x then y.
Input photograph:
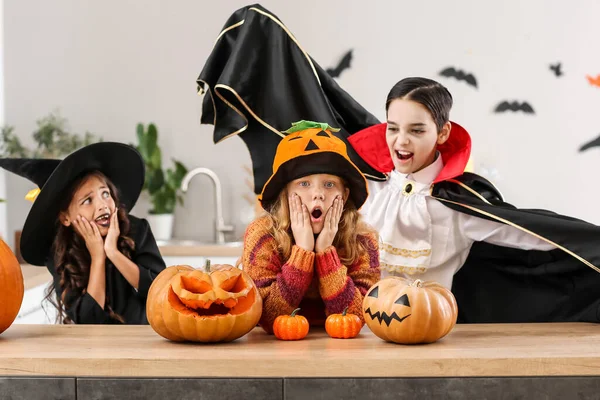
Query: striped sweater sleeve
{"type": "Point", "coordinates": [342, 286]}
{"type": "Point", "coordinates": [282, 285]}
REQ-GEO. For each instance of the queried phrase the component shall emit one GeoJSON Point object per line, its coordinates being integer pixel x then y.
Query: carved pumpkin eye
{"type": "Point", "coordinates": [323, 133]}
{"type": "Point", "coordinates": [296, 138]}
{"type": "Point", "coordinates": [374, 292]}
{"type": "Point", "coordinates": [403, 300]}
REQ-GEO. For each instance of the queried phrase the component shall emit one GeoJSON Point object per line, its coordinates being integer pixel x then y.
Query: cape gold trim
{"type": "Point", "coordinates": [470, 190]}
{"type": "Point", "coordinates": [507, 222]}
{"type": "Point", "coordinates": [201, 91]}
{"type": "Point", "coordinates": [232, 90]}
{"type": "Point", "coordinates": [224, 31]}
{"type": "Point", "coordinates": [291, 37]}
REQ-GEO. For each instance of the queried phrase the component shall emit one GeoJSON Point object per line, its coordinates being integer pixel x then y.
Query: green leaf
{"type": "Point", "coordinates": [156, 180]}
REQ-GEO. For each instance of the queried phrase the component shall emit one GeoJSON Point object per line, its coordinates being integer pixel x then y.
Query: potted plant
{"type": "Point", "coordinates": [53, 140]}
{"type": "Point", "coordinates": [162, 186]}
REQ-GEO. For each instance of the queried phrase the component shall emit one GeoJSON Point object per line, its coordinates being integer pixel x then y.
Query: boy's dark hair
{"type": "Point", "coordinates": [431, 94]}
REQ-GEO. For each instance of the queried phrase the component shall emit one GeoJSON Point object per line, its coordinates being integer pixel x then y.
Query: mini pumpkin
{"type": "Point", "coordinates": [343, 326]}
{"type": "Point", "coordinates": [186, 304]}
{"type": "Point", "coordinates": [291, 327]}
{"type": "Point", "coordinates": [11, 286]}
{"type": "Point", "coordinates": [404, 311]}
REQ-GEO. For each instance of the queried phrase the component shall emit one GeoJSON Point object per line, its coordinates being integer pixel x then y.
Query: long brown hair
{"type": "Point", "coordinates": [346, 242]}
{"type": "Point", "coordinates": [72, 259]}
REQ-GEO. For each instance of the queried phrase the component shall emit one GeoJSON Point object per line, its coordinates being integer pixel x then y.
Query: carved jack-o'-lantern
{"type": "Point", "coordinates": [408, 312]}
{"type": "Point", "coordinates": [194, 305]}
{"type": "Point", "coordinates": [312, 148]}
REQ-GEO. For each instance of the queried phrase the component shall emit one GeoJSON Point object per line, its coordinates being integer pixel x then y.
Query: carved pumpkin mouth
{"type": "Point", "coordinates": [194, 295]}
{"type": "Point", "coordinates": [382, 316]}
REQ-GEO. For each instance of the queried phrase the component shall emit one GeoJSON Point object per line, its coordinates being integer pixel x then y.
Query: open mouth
{"type": "Point", "coordinates": [404, 156]}
{"type": "Point", "coordinates": [191, 295]}
{"type": "Point", "coordinates": [103, 220]}
{"type": "Point", "coordinates": [316, 214]}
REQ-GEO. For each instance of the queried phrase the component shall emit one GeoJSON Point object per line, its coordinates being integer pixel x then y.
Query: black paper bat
{"type": "Point", "coordinates": [342, 65]}
{"type": "Point", "coordinates": [514, 106]}
{"type": "Point", "coordinates": [460, 75]}
{"type": "Point", "coordinates": [589, 145]}
{"type": "Point", "coordinates": [556, 69]}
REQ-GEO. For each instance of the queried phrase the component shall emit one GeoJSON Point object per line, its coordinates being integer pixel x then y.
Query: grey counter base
{"type": "Point", "coordinates": [484, 388]}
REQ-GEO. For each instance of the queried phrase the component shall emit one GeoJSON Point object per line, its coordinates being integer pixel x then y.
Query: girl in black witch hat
{"type": "Point", "coordinates": [102, 259]}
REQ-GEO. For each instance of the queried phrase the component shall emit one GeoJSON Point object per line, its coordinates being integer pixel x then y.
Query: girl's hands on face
{"type": "Point", "coordinates": [110, 244]}
{"type": "Point", "coordinates": [90, 233]}
{"type": "Point", "coordinates": [330, 227]}
{"type": "Point", "coordinates": [300, 222]}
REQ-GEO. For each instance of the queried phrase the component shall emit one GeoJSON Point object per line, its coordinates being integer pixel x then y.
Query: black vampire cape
{"type": "Point", "coordinates": [258, 80]}
{"type": "Point", "coordinates": [501, 284]}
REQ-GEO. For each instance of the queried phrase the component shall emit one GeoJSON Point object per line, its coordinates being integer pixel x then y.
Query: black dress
{"type": "Point", "coordinates": [122, 297]}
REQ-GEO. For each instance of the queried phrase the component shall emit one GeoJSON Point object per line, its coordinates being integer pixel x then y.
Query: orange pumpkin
{"type": "Point", "coordinates": [186, 304]}
{"type": "Point", "coordinates": [408, 312]}
{"type": "Point", "coordinates": [11, 286]}
{"type": "Point", "coordinates": [291, 327]}
{"type": "Point", "coordinates": [343, 326]}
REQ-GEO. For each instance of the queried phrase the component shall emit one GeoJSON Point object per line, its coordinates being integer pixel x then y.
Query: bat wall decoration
{"type": "Point", "coordinates": [342, 65]}
{"type": "Point", "coordinates": [460, 75]}
{"type": "Point", "coordinates": [556, 68]}
{"type": "Point", "coordinates": [514, 106]}
{"type": "Point", "coordinates": [590, 144]}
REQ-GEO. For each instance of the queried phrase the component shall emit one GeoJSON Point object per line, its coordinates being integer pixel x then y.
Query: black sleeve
{"type": "Point", "coordinates": [83, 310]}
{"type": "Point", "coordinates": [146, 256]}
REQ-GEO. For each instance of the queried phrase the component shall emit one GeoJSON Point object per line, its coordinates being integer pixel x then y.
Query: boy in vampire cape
{"type": "Point", "coordinates": [437, 222]}
{"type": "Point", "coordinates": [255, 89]}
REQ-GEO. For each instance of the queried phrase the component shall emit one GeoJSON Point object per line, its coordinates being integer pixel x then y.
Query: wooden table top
{"type": "Point", "coordinates": [137, 351]}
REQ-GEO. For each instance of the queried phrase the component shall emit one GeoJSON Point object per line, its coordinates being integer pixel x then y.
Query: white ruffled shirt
{"type": "Point", "coordinates": [419, 237]}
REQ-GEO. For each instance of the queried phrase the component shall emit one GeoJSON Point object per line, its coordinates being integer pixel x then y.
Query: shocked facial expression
{"type": "Point", "coordinates": [318, 192]}
{"type": "Point", "coordinates": [412, 136]}
{"type": "Point", "coordinates": [92, 201]}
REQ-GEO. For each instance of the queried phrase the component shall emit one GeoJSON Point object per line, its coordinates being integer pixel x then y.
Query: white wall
{"type": "Point", "coordinates": [108, 65]}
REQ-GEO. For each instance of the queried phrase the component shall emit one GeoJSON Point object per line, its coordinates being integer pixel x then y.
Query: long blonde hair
{"type": "Point", "coordinates": [346, 241]}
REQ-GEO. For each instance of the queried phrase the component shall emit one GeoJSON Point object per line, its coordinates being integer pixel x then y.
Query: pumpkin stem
{"type": "Point", "coordinates": [417, 283]}
{"type": "Point", "coordinates": [345, 311]}
{"type": "Point", "coordinates": [293, 314]}
{"type": "Point", "coordinates": [207, 265]}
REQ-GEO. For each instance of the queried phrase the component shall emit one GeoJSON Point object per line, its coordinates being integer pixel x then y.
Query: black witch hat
{"type": "Point", "coordinates": [122, 165]}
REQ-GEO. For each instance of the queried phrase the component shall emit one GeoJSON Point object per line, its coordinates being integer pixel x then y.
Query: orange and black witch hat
{"type": "Point", "coordinates": [311, 148]}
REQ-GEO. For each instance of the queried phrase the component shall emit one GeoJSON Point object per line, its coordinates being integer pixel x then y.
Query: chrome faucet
{"type": "Point", "coordinates": [220, 227]}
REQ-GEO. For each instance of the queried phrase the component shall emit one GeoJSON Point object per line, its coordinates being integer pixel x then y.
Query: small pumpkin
{"type": "Point", "coordinates": [187, 304]}
{"type": "Point", "coordinates": [404, 311]}
{"type": "Point", "coordinates": [12, 288]}
{"type": "Point", "coordinates": [291, 327]}
{"type": "Point", "coordinates": [343, 326]}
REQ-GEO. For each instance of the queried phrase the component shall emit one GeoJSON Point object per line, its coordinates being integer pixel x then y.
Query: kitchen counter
{"type": "Point", "coordinates": [34, 276]}
{"type": "Point", "coordinates": [537, 358]}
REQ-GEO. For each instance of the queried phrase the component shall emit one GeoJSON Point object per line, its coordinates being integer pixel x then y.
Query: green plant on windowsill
{"type": "Point", "coordinates": [52, 137]}
{"type": "Point", "coordinates": [163, 186]}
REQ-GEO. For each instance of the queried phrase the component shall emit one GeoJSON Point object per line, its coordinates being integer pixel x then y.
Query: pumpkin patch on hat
{"type": "Point", "coordinates": [311, 148]}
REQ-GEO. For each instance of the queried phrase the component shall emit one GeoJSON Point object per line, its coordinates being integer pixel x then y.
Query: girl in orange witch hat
{"type": "Point", "coordinates": [312, 249]}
